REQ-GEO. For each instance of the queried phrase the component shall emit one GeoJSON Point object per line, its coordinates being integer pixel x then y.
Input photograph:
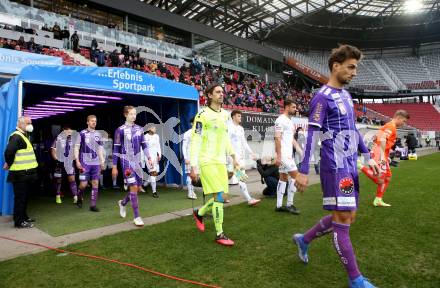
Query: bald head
{"type": "Point", "coordinates": [22, 122]}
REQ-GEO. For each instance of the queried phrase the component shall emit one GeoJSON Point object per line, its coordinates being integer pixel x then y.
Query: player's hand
{"type": "Point", "coordinates": [114, 172]}
{"type": "Point", "coordinates": [102, 167]}
{"type": "Point", "coordinates": [235, 163]}
{"type": "Point", "coordinates": [301, 182]}
{"type": "Point", "coordinates": [193, 175]}
{"type": "Point", "coordinates": [187, 162]}
{"type": "Point", "coordinates": [278, 161]}
{"type": "Point", "coordinates": [79, 166]}
{"type": "Point", "coordinates": [373, 165]}
{"type": "Point", "coordinates": [5, 166]}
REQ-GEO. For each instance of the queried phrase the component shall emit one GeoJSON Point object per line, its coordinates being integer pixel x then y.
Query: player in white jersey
{"type": "Point", "coordinates": [284, 143]}
{"type": "Point", "coordinates": [240, 145]}
{"type": "Point", "coordinates": [186, 144]}
{"type": "Point", "coordinates": [153, 143]}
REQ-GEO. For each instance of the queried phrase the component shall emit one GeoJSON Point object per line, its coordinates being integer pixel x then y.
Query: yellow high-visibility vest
{"type": "Point", "coordinates": [24, 158]}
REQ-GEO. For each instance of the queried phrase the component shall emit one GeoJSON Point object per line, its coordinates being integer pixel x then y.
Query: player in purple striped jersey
{"type": "Point", "coordinates": [333, 119]}
{"type": "Point", "coordinates": [128, 143]}
{"type": "Point", "coordinates": [90, 161]}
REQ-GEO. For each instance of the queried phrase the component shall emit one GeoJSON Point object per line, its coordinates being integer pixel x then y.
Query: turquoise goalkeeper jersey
{"type": "Point", "coordinates": [210, 143]}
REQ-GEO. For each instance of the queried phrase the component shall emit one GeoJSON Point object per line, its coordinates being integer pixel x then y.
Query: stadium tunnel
{"type": "Point", "coordinates": [54, 96]}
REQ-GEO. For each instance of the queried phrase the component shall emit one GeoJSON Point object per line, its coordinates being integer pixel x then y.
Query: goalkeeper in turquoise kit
{"type": "Point", "coordinates": [210, 145]}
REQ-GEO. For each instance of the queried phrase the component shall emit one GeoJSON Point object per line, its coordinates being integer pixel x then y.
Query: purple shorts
{"type": "Point", "coordinates": [134, 178]}
{"type": "Point", "coordinates": [340, 191]}
{"type": "Point", "coordinates": [91, 172]}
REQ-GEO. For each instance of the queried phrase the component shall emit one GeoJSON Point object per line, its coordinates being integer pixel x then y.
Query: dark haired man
{"type": "Point", "coordinates": [332, 113]}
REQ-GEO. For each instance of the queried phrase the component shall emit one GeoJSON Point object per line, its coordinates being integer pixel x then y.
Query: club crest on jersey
{"type": "Point", "coordinates": [198, 129]}
{"type": "Point", "coordinates": [346, 185]}
{"type": "Point", "coordinates": [341, 108]}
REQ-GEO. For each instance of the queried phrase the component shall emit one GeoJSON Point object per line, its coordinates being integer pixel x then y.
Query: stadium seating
{"type": "Point", "coordinates": [415, 73]}
{"type": "Point", "coordinates": [423, 115]}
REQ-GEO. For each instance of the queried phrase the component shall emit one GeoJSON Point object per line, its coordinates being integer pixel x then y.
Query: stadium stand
{"type": "Point", "coordinates": [424, 116]}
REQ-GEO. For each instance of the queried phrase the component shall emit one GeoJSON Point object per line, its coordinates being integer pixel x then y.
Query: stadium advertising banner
{"type": "Point", "coordinates": [12, 61]}
{"type": "Point", "coordinates": [307, 70]}
{"type": "Point", "coordinates": [108, 79]}
{"type": "Point", "coordinates": [262, 122]}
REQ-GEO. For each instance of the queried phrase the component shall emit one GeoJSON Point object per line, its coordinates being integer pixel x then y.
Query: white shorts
{"type": "Point", "coordinates": [154, 167]}
{"type": "Point", "coordinates": [287, 165]}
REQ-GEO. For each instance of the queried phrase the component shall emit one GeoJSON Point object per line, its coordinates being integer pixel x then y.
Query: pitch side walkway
{"type": "Point", "coordinates": [10, 249]}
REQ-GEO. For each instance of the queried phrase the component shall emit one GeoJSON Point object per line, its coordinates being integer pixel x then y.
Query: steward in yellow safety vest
{"type": "Point", "coordinates": [22, 164]}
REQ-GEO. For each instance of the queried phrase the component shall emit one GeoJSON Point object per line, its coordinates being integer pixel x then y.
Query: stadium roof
{"type": "Point", "coordinates": [258, 18]}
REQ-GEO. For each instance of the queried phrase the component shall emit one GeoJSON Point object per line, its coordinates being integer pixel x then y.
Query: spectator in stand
{"type": "Point", "coordinates": [56, 31]}
{"type": "Point", "coordinates": [45, 28]}
{"type": "Point", "coordinates": [31, 46]}
{"type": "Point", "coordinates": [100, 58]}
{"type": "Point", "coordinates": [74, 39]}
{"type": "Point", "coordinates": [114, 58]}
{"type": "Point", "coordinates": [8, 44]}
{"type": "Point", "coordinates": [21, 42]}
{"type": "Point", "coordinates": [125, 51]}
{"type": "Point", "coordinates": [93, 49]}
{"type": "Point", "coordinates": [65, 36]}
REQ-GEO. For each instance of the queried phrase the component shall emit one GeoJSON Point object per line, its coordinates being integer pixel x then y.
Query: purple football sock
{"type": "Point", "coordinates": [342, 243]}
{"type": "Point", "coordinates": [134, 204]}
{"type": "Point", "coordinates": [323, 227]}
{"type": "Point", "coordinates": [126, 199]}
{"type": "Point", "coordinates": [80, 193]}
{"type": "Point", "coordinates": [73, 188]}
{"type": "Point", "coordinates": [94, 197]}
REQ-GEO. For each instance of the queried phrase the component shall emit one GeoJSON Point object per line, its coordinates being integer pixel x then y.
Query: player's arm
{"type": "Point", "coordinates": [53, 150]}
{"type": "Point", "coordinates": [363, 149]}
{"type": "Point", "coordinates": [231, 152]}
{"type": "Point", "coordinates": [76, 152]}
{"type": "Point", "coordinates": [278, 134]}
{"type": "Point", "coordinates": [145, 149]}
{"type": "Point", "coordinates": [246, 146]}
{"type": "Point", "coordinates": [297, 147]}
{"type": "Point", "coordinates": [185, 147]}
{"type": "Point", "coordinates": [117, 148]}
{"type": "Point", "coordinates": [159, 149]}
{"type": "Point", "coordinates": [101, 152]}
{"type": "Point", "coordinates": [196, 143]}
{"type": "Point", "coordinates": [318, 112]}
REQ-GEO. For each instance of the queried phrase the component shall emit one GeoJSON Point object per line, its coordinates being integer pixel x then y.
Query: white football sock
{"type": "Point", "coordinates": [189, 186]}
{"type": "Point", "coordinates": [244, 190]}
{"type": "Point", "coordinates": [281, 189]}
{"type": "Point", "coordinates": [153, 183]}
{"type": "Point", "coordinates": [291, 192]}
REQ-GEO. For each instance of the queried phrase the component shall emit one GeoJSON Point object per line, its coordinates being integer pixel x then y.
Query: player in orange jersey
{"type": "Point", "coordinates": [385, 139]}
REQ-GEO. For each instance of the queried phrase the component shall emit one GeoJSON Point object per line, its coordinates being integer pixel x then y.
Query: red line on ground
{"type": "Point", "coordinates": [113, 261]}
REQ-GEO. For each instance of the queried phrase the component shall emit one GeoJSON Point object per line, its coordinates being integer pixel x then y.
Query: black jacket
{"type": "Point", "coordinates": [267, 170]}
{"type": "Point", "coordinates": [15, 143]}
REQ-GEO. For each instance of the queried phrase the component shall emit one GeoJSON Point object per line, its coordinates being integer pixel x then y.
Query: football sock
{"type": "Point", "coordinates": [205, 208]}
{"type": "Point", "coordinates": [323, 227]}
{"type": "Point", "coordinates": [342, 244]}
{"type": "Point", "coordinates": [244, 190]}
{"type": "Point", "coordinates": [217, 212]}
{"type": "Point", "coordinates": [281, 189]}
{"type": "Point", "coordinates": [291, 192]}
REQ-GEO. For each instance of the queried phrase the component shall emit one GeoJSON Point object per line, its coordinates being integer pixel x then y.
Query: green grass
{"type": "Point", "coordinates": [396, 247]}
{"type": "Point", "coordinates": [56, 219]}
